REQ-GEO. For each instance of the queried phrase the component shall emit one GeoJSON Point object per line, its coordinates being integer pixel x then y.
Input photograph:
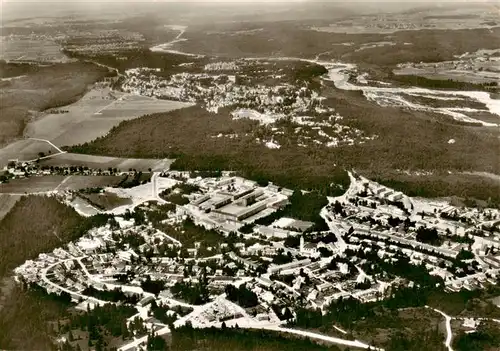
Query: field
{"type": "Point", "coordinates": [103, 162]}
{"type": "Point", "coordinates": [49, 86]}
{"type": "Point", "coordinates": [45, 184]}
{"type": "Point", "coordinates": [25, 150]}
{"type": "Point", "coordinates": [94, 115]}
{"type": "Point", "coordinates": [6, 203]}
{"type": "Point", "coordinates": [25, 49]}
{"type": "Point", "coordinates": [435, 18]}
{"type": "Point", "coordinates": [106, 201]}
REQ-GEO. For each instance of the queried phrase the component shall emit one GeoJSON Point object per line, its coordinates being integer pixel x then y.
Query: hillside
{"type": "Point", "coordinates": [42, 88]}
{"type": "Point", "coordinates": [38, 224]}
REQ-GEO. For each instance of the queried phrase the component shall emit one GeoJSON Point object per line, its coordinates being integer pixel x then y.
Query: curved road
{"type": "Point", "coordinates": [449, 334]}
{"type": "Point", "coordinates": [72, 293]}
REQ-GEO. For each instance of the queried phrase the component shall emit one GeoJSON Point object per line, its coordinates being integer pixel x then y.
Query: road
{"type": "Point", "coordinates": [51, 144]}
{"type": "Point", "coordinates": [109, 105]}
{"type": "Point", "coordinates": [154, 189]}
{"type": "Point", "coordinates": [449, 334]}
{"type": "Point", "coordinates": [340, 243]}
{"type": "Point", "coordinates": [316, 336]}
{"type": "Point", "coordinates": [61, 288]}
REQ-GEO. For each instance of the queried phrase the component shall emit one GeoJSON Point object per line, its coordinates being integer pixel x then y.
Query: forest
{"type": "Point", "coordinates": [418, 81]}
{"type": "Point", "coordinates": [235, 339]}
{"type": "Point", "coordinates": [40, 224]}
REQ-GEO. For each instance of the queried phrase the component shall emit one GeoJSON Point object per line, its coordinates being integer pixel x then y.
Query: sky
{"type": "Point", "coordinates": [250, 1]}
{"type": "Point", "coordinates": [13, 9]}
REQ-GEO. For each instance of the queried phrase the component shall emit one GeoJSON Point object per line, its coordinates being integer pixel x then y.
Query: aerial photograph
{"type": "Point", "coordinates": [250, 175]}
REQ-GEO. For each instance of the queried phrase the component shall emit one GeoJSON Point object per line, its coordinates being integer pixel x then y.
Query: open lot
{"type": "Point", "coordinates": [56, 182]}
{"type": "Point", "coordinates": [94, 115]}
{"type": "Point", "coordinates": [104, 162]}
{"type": "Point", "coordinates": [105, 201]}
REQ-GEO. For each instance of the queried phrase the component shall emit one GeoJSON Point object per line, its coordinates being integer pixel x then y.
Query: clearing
{"type": "Point", "coordinates": [105, 201]}
{"type": "Point", "coordinates": [18, 48]}
{"type": "Point", "coordinates": [48, 86]}
{"type": "Point", "coordinates": [94, 115]}
{"type": "Point", "coordinates": [56, 182]}
{"type": "Point", "coordinates": [104, 162]}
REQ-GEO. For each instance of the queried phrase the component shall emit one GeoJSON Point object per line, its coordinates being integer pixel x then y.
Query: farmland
{"type": "Point", "coordinates": [25, 150]}
{"type": "Point", "coordinates": [94, 115]}
{"type": "Point", "coordinates": [54, 85]}
{"type": "Point", "coordinates": [50, 183]}
{"type": "Point", "coordinates": [104, 162]}
{"type": "Point", "coordinates": [21, 48]}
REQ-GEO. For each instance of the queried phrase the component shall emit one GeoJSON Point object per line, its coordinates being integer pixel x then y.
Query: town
{"type": "Point", "coordinates": [266, 176]}
{"type": "Point", "coordinates": [212, 250]}
{"type": "Point", "coordinates": [269, 94]}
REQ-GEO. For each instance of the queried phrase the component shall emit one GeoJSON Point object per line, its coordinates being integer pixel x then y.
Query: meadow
{"type": "Point", "coordinates": [94, 115]}
{"type": "Point", "coordinates": [44, 184]}
{"type": "Point", "coordinates": [47, 87]}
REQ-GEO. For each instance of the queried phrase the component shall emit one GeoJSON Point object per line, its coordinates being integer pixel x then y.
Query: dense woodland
{"type": "Point", "coordinates": [486, 337]}
{"type": "Point", "coordinates": [417, 81]}
{"type": "Point", "coordinates": [25, 317]}
{"type": "Point", "coordinates": [187, 339]}
{"type": "Point", "coordinates": [8, 70]}
{"type": "Point", "coordinates": [290, 39]}
{"type": "Point", "coordinates": [302, 206]}
{"type": "Point", "coordinates": [39, 224]}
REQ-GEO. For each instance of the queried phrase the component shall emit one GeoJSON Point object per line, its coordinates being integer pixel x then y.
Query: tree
{"type": "Point", "coordinates": [428, 236]}
{"type": "Point", "coordinates": [241, 295]}
{"type": "Point", "coordinates": [124, 330]}
{"type": "Point", "coordinates": [156, 343]}
{"type": "Point", "coordinates": [287, 315]}
{"type": "Point", "coordinates": [465, 255]}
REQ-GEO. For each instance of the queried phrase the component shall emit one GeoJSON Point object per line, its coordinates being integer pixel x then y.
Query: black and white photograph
{"type": "Point", "coordinates": [250, 175]}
